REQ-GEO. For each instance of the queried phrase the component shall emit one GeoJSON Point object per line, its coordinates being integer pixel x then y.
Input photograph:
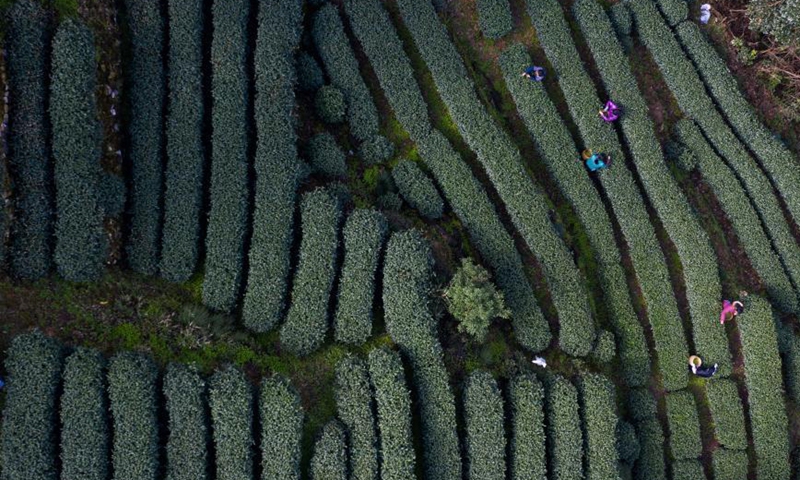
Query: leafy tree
{"type": "Point", "coordinates": [474, 300]}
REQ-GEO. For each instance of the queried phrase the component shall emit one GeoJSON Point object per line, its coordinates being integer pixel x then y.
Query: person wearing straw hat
{"type": "Point", "coordinates": [696, 365]}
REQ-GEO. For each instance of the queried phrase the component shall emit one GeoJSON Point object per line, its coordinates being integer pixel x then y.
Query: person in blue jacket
{"type": "Point", "coordinates": [596, 161]}
{"type": "Point", "coordinates": [534, 73]}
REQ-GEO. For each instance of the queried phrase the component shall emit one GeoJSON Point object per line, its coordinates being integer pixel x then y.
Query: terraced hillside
{"type": "Point", "coordinates": [228, 225]}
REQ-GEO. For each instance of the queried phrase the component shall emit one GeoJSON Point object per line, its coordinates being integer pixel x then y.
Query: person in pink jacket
{"type": "Point", "coordinates": [730, 310]}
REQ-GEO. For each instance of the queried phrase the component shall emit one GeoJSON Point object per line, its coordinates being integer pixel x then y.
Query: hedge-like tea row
{"type": "Point", "coordinates": [700, 272]}
{"type": "Point", "coordinates": [628, 448]}
{"type": "Point", "coordinates": [525, 203]}
{"type": "Point", "coordinates": [309, 74]}
{"type": "Point", "coordinates": [393, 407]}
{"type": "Point", "coordinates": [307, 320]}
{"type": "Point", "coordinates": [486, 440]}
{"type": "Point", "coordinates": [183, 179]}
{"type": "Point", "coordinates": [27, 43]}
{"type": "Point", "coordinates": [406, 285]}
{"type": "Point", "coordinates": [599, 420]}
{"type": "Point", "coordinates": [764, 389]}
{"type": "Point", "coordinates": [353, 404]}
{"type": "Point", "coordinates": [687, 469]}
{"type": "Point", "coordinates": [727, 413]}
{"type": "Point", "coordinates": [743, 217]}
{"type": "Point", "coordinates": [528, 452]}
{"type": "Point", "coordinates": [364, 234]}
{"type": "Point", "coordinates": [325, 155]}
{"type": "Point", "coordinates": [642, 407]}
{"type": "Point", "coordinates": [80, 240]}
{"type": "Point", "coordinates": [28, 438]}
{"type": "Point", "coordinates": [132, 398]}
{"type": "Point", "coordinates": [675, 11]}
{"type": "Point", "coordinates": [684, 425]}
{"type": "Point", "coordinates": [84, 418]}
{"type": "Point", "coordinates": [227, 218]}
{"type": "Point", "coordinates": [281, 417]}
{"type": "Point", "coordinates": [789, 347]}
{"type": "Point", "coordinates": [557, 149]}
{"type": "Point", "coordinates": [729, 464]}
{"type": "Point", "coordinates": [417, 189]}
{"type": "Point", "coordinates": [276, 165]}
{"type": "Point", "coordinates": [564, 436]}
{"type": "Point", "coordinates": [186, 400]}
{"type": "Point", "coordinates": [689, 91]}
{"type": "Point", "coordinates": [374, 30]}
{"type": "Point", "coordinates": [231, 400]}
{"type": "Point", "coordinates": [621, 18]}
{"type": "Point", "coordinates": [494, 18]}
{"type": "Point", "coordinates": [626, 200]}
{"type": "Point", "coordinates": [144, 83]}
{"type": "Point", "coordinates": [330, 454]}
{"type": "Point", "coordinates": [342, 66]}
{"type": "Point", "coordinates": [741, 115]}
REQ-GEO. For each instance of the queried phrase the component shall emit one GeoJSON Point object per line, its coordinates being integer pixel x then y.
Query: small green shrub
{"type": "Point", "coordinates": [330, 105]}
{"type": "Point", "coordinates": [494, 18]}
{"type": "Point", "coordinates": [417, 189]}
{"type": "Point", "coordinates": [376, 150]}
{"type": "Point", "coordinates": [309, 74]}
{"type": "Point", "coordinates": [474, 300]}
{"type": "Point", "coordinates": [605, 348]}
{"type": "Point", "coordinates": [325, 155]}
{"type": "Point", "coordinates": [628, 446]}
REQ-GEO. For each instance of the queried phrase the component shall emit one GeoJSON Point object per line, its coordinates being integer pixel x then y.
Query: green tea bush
{"type": "Point", "coordinates": [486, 440]}
{"type": "Point", "coordinates": [675, 11]}
{"type": "Point", "coordinates": [276, 166]}
{"type": "Point", "coordinates": [727, 414]}
{"type": "Point", "coordinates": [641, 404]}
{"type": "Point", "coordinates": [364, 234]}
{"type": "Point", "coordinates": [604, 349]}
{"type": "Point", "coordinates": [505, 167]}
{"type": "Point", "coordinates": [599, 421]}
{"type": "Point", "coordinates": [418, 190]}
{"type": "Point", "coordinates": [325, 155]}
{"type": "Point", "coordinates": [281, 417]}
{"type": "Point", "coordinates": [227, 217]}
{"type": "Point", "coordinates": [84, 418]}
{"type": "Point", "coordinates": [557, 150]}
{"type": "Point", "coordinates": [307, 320]}
{"type": "Point", "coordinates": [528, 453]}
{"type": "Point", "coordinates": [650, 465]}
{"type": "Point", "coordinates": [789, 347]}
{"type": "Point", "coordinates": [354, 406]}
{"type": "Point", "coordinates": [687, 469]}
{"type": "Point", "coordinates": [393, 407]}
{"type": "Point", "coordinates": [390, 201]}
{"type": "Point", "coordinates": [729, 464]}
{"type": "Point", "coordinates": [683, 81]}
{"type": "Point", "coordinates": [329, 461]}
{"type": "Point", "coordinates": [741, 115]}
{"type": "Point", "coordinates": [700, 272]}
{"type": "Point", "coordinates": [77, 147]}
{"type": "Point", "coordinates": [183, 179]}
{"type": "Point", "coordinates": [309, 74]}
{"type": "Point", "coordinates": [144, 84]}
{"type": "Point", "coordinates": [494, 18]}
{"type": "Point", "coordinates": [28, 438]}
{"type": "Point", "coordinates": [406, 286]}
{"type": "Point", "coordinates": [186, 399]}
{"type": "Point", "coordinates": [111, 194]}
{"type": "Point", "coordinates": [340, 62]}
{"type": "Point", "coordinates": [620, 187]}
{"type": "Point", "coordinates": [376, 150]}
{"type": "Point", "coordinates": [373, 28]}
{"type": "Point", "coordinates": [329, 103]}
{"type": "Point", "coordinates": [27, 42]}
{"type": "Point", "coordinates": [740, 212]}
{"type": "Point", "coordinates": [622, 20]}
{"type": "Point", "coordinates": [765, 391]}
{"type": "Point", "coordinates": [231, 401]}
{"type": "Point", "coordinates": [628, 447]}
{"type": "Point", "coordinates": [133, 404]}
{"type": "Point", "coordinates": [684, 426]}
{"type": "Point", "coordinates": [564, 436]}
{"type": "Point", "coordinates": [779, 19]}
